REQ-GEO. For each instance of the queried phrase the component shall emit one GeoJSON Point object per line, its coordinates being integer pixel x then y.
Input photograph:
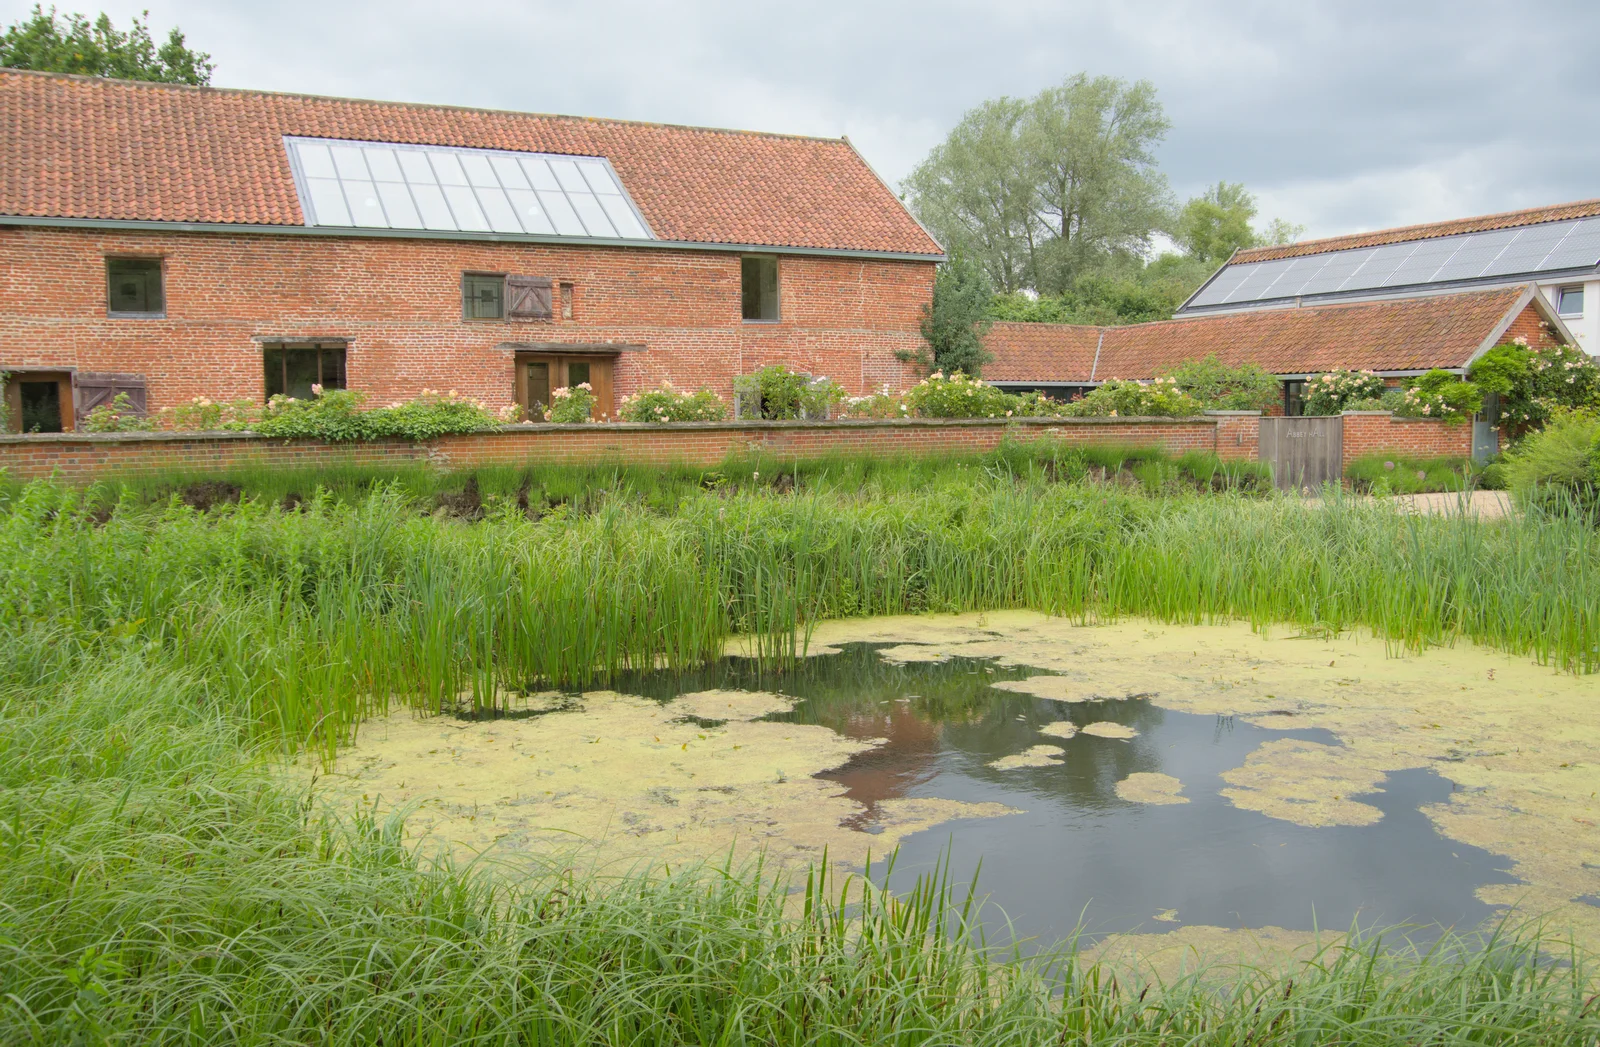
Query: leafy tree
{"type": "Point", "coordinates": [1216, 223]}
{"type": "Point", "coordinates": [1041, 191]}
{"type": "Point", "coordinates": [1088, 148]}
{"type": "Point", "coordinates": [72, 44]}
{"type": "Point", "coordinates": [954, 325]}
{"type": "Point", "coordinates": [1221, 387]}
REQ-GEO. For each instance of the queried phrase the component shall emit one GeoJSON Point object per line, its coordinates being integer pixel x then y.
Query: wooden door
{"type": "Point", "coordinates": [1304, 453]}
{"type": "Point", "coordinates": [539, 376]}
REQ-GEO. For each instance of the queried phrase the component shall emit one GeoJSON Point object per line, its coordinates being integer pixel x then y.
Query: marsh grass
{"type": "Point", "coordinates": [158, 884]}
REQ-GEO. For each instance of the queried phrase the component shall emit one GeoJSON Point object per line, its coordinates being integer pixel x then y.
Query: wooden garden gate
{"type": "Point", "coordinates": [1304, 453]}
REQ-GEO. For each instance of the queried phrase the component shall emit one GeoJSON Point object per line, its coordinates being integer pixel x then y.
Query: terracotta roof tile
{"type": "Point", "coordinates": [1024, 352]}
{"type": "Point", "coordinates": [81, 147]}
{"type": "Point", "coordinates": [1405, 233]}
{"type": "Point", "coordinates": [1396, 335]}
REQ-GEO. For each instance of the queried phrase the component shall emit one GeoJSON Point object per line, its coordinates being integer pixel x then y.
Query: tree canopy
{"type": "Point", "coordinates": [1216, 223]}
{"type": "Point", "coordinates": [1058, 199]}
{"type": "Point", "coordinates": [1040, 190]}
{"type": "Point", "coordinates": [73, 44]}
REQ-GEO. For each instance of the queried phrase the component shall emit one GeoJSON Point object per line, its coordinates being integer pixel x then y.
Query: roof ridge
{"type": "Point", "coordinates": [1248, 253]}
{"type": "Point", "coordinates": [304, 96]}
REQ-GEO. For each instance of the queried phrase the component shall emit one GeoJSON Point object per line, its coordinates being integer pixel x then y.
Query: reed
{"type": "Point", "coordinates": [158, 884]}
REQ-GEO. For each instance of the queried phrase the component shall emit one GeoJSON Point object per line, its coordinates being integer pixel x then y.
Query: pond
{"type": "Point", "coordinates": [1131, 777]}
{"type": "Point", "coordinates": [1084, 848]}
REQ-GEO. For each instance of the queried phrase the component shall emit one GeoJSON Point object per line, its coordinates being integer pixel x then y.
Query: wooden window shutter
{"type": "Point", "coordinates": [528, 297]}
{"type": "Point", "coordinates": [93, 390]}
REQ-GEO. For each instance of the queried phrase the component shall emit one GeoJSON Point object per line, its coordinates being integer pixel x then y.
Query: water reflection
{"type": "Point", "coordinates": [1078, 849]}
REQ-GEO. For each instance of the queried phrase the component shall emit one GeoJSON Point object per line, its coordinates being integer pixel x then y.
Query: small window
{"type": "Point", "coordinates": [566, 301]}
{"type": "Point", "coordinates": [1569, 301]}
{"type": "Point", "coordinates": [760, 287]}
{"type": "Point", "coordinates": [293, 370]}
{"type": "Point", "coordinates": [41, 406]}
{"type": "Point", "coordinates": [133, 287]}
{"type": "Point", "coordinates": [483, 297]}
{"type": "Point", "coordinates": [1294, 399]}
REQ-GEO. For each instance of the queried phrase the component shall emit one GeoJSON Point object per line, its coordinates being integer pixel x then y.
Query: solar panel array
{"type": "Point", "coordinates": [1529, 250]}
{"type": "Point", "coordinates": [376, 185]}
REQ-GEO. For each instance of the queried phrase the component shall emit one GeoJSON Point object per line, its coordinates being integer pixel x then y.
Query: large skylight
{"type": "Point", "coordinates": [1498, 253]}
{"type": "Point", "coordinates": [375, 185]}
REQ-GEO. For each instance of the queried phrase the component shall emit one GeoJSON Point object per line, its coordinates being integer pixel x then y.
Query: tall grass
{"type": "Point", "coordinates": [159, 885]}
{"type": "Point", "coordinates": [307, 620]}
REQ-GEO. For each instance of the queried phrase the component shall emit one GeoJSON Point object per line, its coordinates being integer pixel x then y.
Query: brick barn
{"type": "Point", "coordinates": [1398, 338]}
{"type": "Point", "coordinates": [176, 242]}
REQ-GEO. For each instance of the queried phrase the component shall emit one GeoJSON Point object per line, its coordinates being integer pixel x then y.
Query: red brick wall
{"type": "Point", "coordinates": [1531, 327]}
{"type": "Point", "coordinates": [81, 458]}
{"type": "Point", "coordinates": [1238, 434]}
{"type": "Point", "coordinates": [1379, 432]}
{"type": "Point", "coordinates": [399, 303]}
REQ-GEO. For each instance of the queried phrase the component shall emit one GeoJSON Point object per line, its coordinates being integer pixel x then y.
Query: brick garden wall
{"type": "Point", "coordinates": [1379, 432]}
{"type": "Point", "coordinates": [80, 458]}
{"type": "Point", "coordinates": [77, 458]}
{"type": "Point", "coordinates": [398, 303]}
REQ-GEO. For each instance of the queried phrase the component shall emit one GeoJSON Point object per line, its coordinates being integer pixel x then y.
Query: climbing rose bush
{"type": "Point", "coordinates": [1335, 391]}
{"type": "Point", "coordinates": [1161, 398]}
{"type": "Point", "coordinates": [880, 404]}
{"type": "Point", "coordinates": [668, 404]}
{"type": "Point", "coordinates": [957, 396]}
{"type": "Point", "coordinates": [1442, 395]}
{"type": "Point", "coordinates": [571, 403]}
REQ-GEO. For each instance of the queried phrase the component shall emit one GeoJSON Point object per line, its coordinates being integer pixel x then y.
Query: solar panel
{"type": "Point", "coordinates": [1527, 250]}
{"type": "Point", "coordinates": [376, 185]}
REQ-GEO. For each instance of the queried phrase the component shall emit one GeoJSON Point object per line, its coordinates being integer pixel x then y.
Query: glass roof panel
{"type": "Point", "coordinates": [364, 207]}
{"type": "Point", "coordinates": [561, 214]}
{"type": "Point", "coordinates": [593, 215]}
{"type": "Point", "coordinates": [530, 211]}
{"type": "Point", "coordinates": [398, 205]}
{"type": "Point", "coordinates": [1526, 254]}
{"type": "Point", "coordinates": [1580, 247]}
{"type": "Point", "coordinates": [599, 178]}
{"type": "Point", "coordinates": [383, 164]}
{"type": "Point", "coordinates": [446, 188]}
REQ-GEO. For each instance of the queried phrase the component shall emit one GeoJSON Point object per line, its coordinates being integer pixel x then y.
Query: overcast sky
{"type": "Point", "coordinates": [1340, 116]}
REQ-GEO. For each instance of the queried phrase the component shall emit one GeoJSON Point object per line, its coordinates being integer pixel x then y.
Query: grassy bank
{"type": "Point", "coordinates": [158, 885]}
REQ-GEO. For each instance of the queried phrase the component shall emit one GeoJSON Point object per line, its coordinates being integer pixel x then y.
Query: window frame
{"type": "Point", "coordinates": [1294, 397]}
{"type": "Point", "coordinates": [1561, 293]}
{"type": "Point", "coordinates": [320, 348]}
{"type": "Point", "coordinates": [466, 314]}
{"type": "Point", "coordinates": [777, 290]}
{"type": "Point", "coordinates": [152, 263]}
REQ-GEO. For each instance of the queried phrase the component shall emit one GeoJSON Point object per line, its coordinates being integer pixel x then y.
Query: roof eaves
{"type": "Point", "coordinates": [341, 232]}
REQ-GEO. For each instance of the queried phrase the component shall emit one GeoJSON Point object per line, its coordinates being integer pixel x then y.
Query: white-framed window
{"type": "Point", "coordinates": [1569, 301]}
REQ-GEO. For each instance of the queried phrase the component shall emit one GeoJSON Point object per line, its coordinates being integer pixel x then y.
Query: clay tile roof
{"type": "Point", "coordinates": [1396, 335]}
{"type": "Point", "coordinates": [82, 147]}
{"type": "Point", "coordinates": [1024, 352]}
{"type": "Point", "coordinates": [1406, 233]}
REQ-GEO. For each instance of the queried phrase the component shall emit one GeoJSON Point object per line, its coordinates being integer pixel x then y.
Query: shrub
{"type": "Point", "coordinates": [779, 394]}
{"type": "Point", "coordinates": [881, 404]}
{"type": "Point", "coordinates": [667, 404]}
{"type": "Point", "coordinates": [435, 414]}
{"type": "Point", "coordinates": [204, 415]}
{"type": "Point", "coordinates": [333, 415]}
{"type": "Point", "coordinates": [1221, 387]}
{"type": "Point", "coordinates": [958, 396]}
{"type": "Point", "coordinates": [1038, 405]}
{"type": "Point", "coordinates": [1440, 394]}
{"type": "Point", "coordinates": [1560, 461]}
{"type": "Point", "coordinates": [1158, 399]}
{"type": "Point", "coordinates": [571, 404]}
{"type": "Point", "coordinates": [1334, 391]}
{"type": "Point", "coordinates": [118, 416]}
{"type": "Point", "coordinates": [1534, 384]}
